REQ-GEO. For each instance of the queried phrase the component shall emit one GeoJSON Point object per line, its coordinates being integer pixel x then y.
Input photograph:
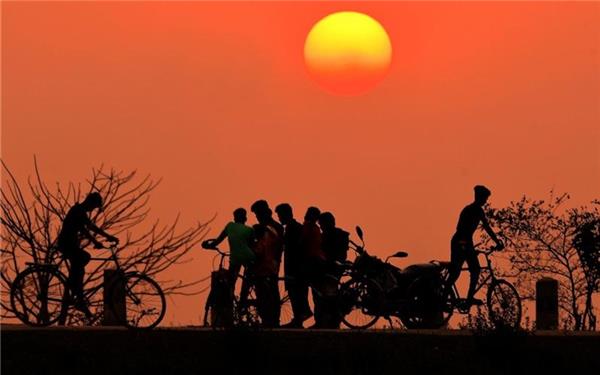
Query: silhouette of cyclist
{"type": "Point", "coordinates": [461, 245]}
{"type": "Point", "coordinates": [76, 225]}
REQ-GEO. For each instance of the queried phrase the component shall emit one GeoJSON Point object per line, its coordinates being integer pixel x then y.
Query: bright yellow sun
{"type": "Point", "coordinates": [347, 53]}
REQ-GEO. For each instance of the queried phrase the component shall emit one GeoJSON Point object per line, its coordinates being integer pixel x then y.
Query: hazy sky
{"type": "Point", "coordinates": [215, 99]}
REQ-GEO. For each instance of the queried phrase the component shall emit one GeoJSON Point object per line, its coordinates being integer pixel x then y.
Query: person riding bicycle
{"type": "Point", "coordinates": [75, 225]}
{"type": "Point", "coordinates": [240, 238]}
{"type": "Point", "coordinates": [461, 245]}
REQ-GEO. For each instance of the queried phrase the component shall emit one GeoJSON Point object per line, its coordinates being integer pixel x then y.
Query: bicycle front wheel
{"type": "Point", "coordinates": [359, 303]}
{"type": "Point", "coordinates": [37, 295]}
{"type": "Point", "coordinates": [504, 305]}
{"type": "Point", "coordinates": [139, 301]}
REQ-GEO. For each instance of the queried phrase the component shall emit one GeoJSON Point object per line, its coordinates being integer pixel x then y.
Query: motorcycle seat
{"type": "Point", "coordinates": [441, 263]}
{"type": "Point", "coordinates": [420, 269]}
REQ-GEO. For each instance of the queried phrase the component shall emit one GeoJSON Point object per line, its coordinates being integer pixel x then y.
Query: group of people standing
{"type": "Point", "coordinates": [311, 253]}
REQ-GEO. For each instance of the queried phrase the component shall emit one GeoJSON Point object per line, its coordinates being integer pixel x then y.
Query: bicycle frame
{"type": "Point", "coordinates": [489, 278]}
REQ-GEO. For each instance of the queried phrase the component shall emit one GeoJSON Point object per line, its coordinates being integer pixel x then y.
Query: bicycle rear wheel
{"type": "Point", "coordinates": [286, 314]}
{"type": "Point", "coordinates": [143, 304]}
{"type": "Point", "coordinates": [504, 304]}
{"type": "Point", "coordinates": [37, 296]}
{"type": "Point", "coordinates": [245, 313]}
{"type": "Point", "coordinates": [359, 303]}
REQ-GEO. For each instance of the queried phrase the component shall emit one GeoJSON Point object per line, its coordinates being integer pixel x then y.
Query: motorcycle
{"type": "Point", "coordinates": [376, 288]}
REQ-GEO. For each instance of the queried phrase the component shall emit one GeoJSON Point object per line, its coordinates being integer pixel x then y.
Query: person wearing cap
{"type": "Point", "coordinates": [75, 225]}
{"type": "Point", "coordinates": [461, 245]}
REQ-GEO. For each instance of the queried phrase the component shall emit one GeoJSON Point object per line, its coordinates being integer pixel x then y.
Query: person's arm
{"type": "Point", "coordinates": [88, 235]}
{"type": "Point", "coordinates": [490, 232]}
{"type": "Point", "coordinates": [92, 227]}
{"type": "Point", "coordinates": [221, 237]}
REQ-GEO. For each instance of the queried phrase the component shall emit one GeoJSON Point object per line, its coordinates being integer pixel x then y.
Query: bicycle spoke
{"type": "Point", "coordinates": [36, 296]}
{"type": "Point", "coordinates": [144, 302]}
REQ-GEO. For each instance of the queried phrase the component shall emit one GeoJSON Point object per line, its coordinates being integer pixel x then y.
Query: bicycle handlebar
{"type": "Point", "coordinates": [208, 245]}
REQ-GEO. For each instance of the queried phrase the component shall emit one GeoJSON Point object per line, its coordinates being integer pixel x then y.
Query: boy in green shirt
{"type": "Point", "coordinates": [240, 238]}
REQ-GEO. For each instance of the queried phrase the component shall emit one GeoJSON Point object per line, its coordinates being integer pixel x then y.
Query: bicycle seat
{"type": "Point", "coordinates": [419, 269]}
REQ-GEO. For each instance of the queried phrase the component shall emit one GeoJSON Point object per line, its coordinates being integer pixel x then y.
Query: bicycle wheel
{"type": "Point", "coordinates": [504, 304]}
{"type": "Point", "coordinates": [36, 296]}
{"type": "Point", "coordinates": [286, 314]}
{"type": "Point", "coordinates": [424, 307]}
{"type": "Point", "coordinates": [208, 319]}
{"type": "Point", "coordinates": [245, 313]}
{"type": "Point", "coordinates": [142, 305]}
{"type": "Point", "coordinates": [360, 303]}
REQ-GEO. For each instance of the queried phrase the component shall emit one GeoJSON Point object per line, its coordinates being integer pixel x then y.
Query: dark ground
{"type": "Point", "coordinates": [199, 351]}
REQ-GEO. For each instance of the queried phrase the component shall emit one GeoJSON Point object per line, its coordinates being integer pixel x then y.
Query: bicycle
{"type": "Point", "coordinates": [502, 299]}
{"type": "Point", "coordinates": [223, 308]}
{"type": "Point", "coordinates": [40, 295]}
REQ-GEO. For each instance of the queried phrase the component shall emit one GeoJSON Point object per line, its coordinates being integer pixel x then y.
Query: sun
{"type": "Point", "coordinates": [347, 53]}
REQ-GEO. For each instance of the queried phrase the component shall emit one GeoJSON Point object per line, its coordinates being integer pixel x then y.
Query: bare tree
{"type": "Point", "coordinates": [32, 214]}
{"type": "Point", "coordinates": [541, 238]}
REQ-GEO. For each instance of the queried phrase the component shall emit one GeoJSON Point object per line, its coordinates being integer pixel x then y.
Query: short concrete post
{"type": "Point", "coordinates": [114, 298]}
{"type": "Point", "coordinates": [546, 304]}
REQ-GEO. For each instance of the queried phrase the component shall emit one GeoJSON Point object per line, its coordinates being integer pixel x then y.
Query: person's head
{"type": "Point", "coordinates": [326, 221]}
{"type": "Point", "coordinates": [284, 213]}
{"type": "Point", "coordinates": [261, 210]}
{"type": "Point", "coordinates": [481, 194]}
{"type": "Point", "coordinates": [93, 200]}
{"type": "Point", "coordinates": [239, 216]}
{"type": "Point", "coordinates": [312, 215]}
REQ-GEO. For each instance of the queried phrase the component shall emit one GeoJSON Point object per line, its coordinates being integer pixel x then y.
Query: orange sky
{"type": "Point", "coordinates": [215, 98]}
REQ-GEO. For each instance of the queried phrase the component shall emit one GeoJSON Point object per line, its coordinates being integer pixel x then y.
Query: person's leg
{"type": "Point", "coordinates": [275, 301]}
{"type": "Point", "coordinates": [304, 307]}
{"type": "Point", "coordinates": [457, 258]}
{"type": "Point", "coordinates": [294, 289]}
{"type": "Point", "coordinates": [247, 283]}
{"type": "Point", "coordinates": [234, 271]}
{"type": "Point", "coordinates": [328, 302]}
{"type": "Point", "coordinates": [316, 285]}
{"type": "Point", "coordinates": [264, 301]}
{"type": "Point", "coordinates": [474, 269]}
{"type": "Point", "coordinates": [78, 259]}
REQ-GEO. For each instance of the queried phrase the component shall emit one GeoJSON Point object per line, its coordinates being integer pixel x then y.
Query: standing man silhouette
{"type": "Point", "coordinates": [314, 259]}
{"type": "Point", "coordinates": [335, 243]}
{"type": "Point", "coordinates": [295, 283]}
{"type": "Point", "coordinates": [461, 245]}
{"type": "Point", "coordinates": [268, 249]}
{"type": "Point", "coordinates": [75, 225]}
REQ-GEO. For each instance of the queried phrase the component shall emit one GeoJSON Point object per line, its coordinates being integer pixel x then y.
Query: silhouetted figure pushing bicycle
{"type": "Point", "coordinates": [76, 225]}
{"type": "Point", "coordinates": [462, 247]}
{"type": "Point", "coordinates": [240, 238]}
